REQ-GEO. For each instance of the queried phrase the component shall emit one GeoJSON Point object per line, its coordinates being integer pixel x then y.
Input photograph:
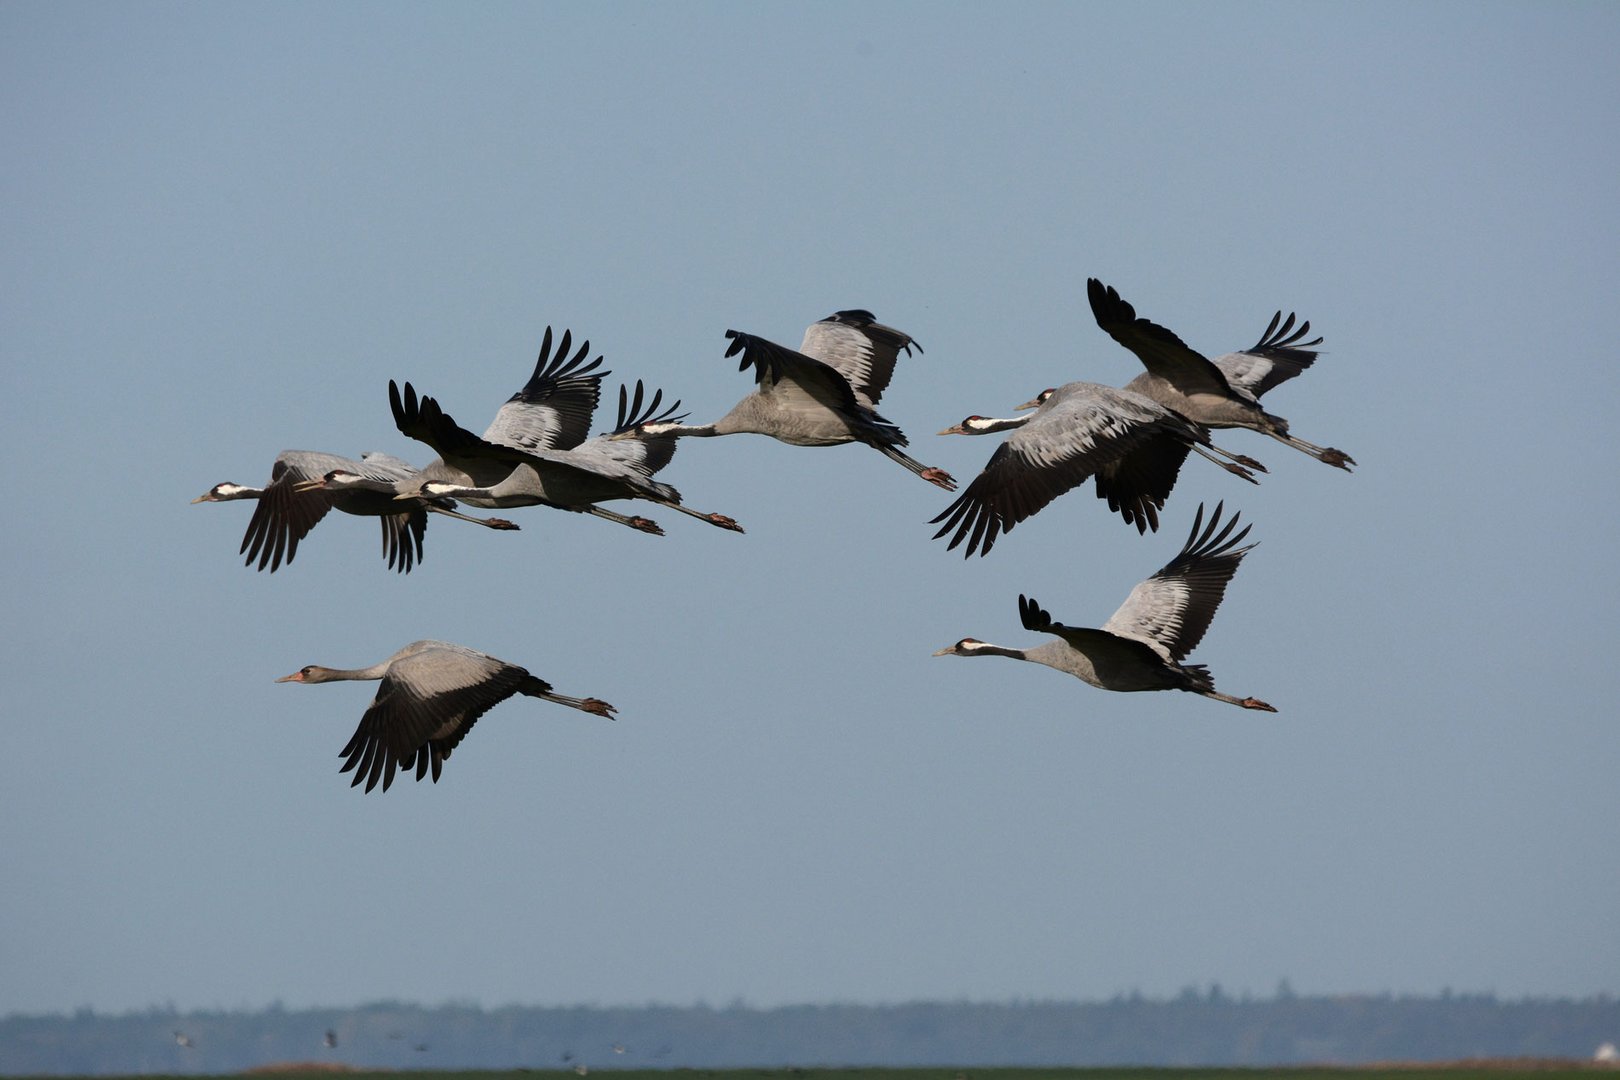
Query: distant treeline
{"type": "Point", "coordinates": [1196, 1028]}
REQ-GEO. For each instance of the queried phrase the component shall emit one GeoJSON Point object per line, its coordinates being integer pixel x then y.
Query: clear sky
{"type": "Point", "coordinates": [228, 226]}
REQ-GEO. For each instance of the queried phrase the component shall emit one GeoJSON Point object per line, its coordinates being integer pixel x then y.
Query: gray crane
{"type": "Point", "coordinates": [576, 479]}
{"type": "Point", "coordinates": [432, 694]}
{"type": "Point", "coordinates": [551, 411]}
{"type": "Point", "coordinates": [825, 394]}
{"type": "Point", "coordinates": [1131, 444]}
{"type": "Point", "coordinates": [293, 503]}
{"type": "Point", "coordinates": [1143, 644]}
{"type": "Point", "coordinates": [1223, 393]}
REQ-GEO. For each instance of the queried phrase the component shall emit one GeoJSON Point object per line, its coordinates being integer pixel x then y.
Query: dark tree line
{"type": "Point", "coordinates": [1205, 1027]}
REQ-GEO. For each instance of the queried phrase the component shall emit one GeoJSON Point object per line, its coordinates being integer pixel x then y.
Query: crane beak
{"type": "Point", "coordinates": [948, 650]}
{"type": "Point", "coordinates": [207, 496]}
{"type": "Point", "coordinates": [1032, 403]}
{"type": "Point", "coordinates": [310, 485]}
{"type": "Point", "coordinates": [297, 676]}
{"type": "Point", "coordinates": [955, 429]}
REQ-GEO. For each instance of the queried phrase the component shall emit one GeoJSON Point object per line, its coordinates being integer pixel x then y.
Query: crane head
{"type": "Point", "coordinates": [223, 493]}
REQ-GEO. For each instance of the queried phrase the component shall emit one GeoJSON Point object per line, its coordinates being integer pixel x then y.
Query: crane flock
{"type": "Point", "coordinates": [537, 451]}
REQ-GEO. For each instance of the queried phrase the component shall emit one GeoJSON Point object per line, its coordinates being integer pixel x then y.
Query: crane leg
{"type": "Point", "coordinates": [488, 523]}
{"type": "Point", "coordinates": [1242, 703]}
{"type": "Point", "coordinates": [719, 520]}
{"type": "Point", "coordinates": [1325, 454]}
{"type": "Point", "coordinates": [937, 477]}
{"type": "Point", "coordinates": [1236, 467]}
{"type": "Point", "coordinates": [639, 523]}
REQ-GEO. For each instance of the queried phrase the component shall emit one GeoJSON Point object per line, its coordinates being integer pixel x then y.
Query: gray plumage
{"type": "Point", "coordinates": [432, 694]}
{"type": "Point", "coordinates": [825, 394]}
{"type": "Point", "coordinates": [1142, 645]}
{"type": "Point", "coordinates": [576, 478]}
{"type": "Point", "coordinates": [295, 500]}
{"type": "Point", "coordinates": [552, 411]}
{"type": "Point", "coordinates": [1223, 393]}
{"type": "Point", "coordinates": [1131, 445]}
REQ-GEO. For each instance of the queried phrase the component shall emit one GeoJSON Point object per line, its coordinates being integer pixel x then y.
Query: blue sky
{"type": "Point", "coordinates": [228, 226]}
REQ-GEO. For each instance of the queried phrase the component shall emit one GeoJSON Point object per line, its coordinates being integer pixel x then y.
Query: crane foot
{"type": "Point", "coordinates": [1337, 458]}
{"type": "Point", "coordinates": [724, 522]}
{"type": "Point", "coordinates": [1245, 460]}
{"type": "Point", "coordinates": [1238, 470]}
{"type": "Point", "coordinates": [939, 478]}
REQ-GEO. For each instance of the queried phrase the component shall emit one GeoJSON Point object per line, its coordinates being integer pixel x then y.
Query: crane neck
{"type": "Point", "coordinates": [987, 425]}
{"type": "Point", "coordinates": [228, 492]}
{"type": "Point", "coordinates": [673, 429]}
{"type": "Point", "coordinates": [439, 489]}
{"type": "Point", "coordinates": [314, 673]}
{"type": "Point", "coordinates": [971, 647]}
{"type": "Point", "coordinates": [985, 648]}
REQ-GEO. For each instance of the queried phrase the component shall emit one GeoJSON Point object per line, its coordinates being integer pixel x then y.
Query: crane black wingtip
{"type": "Point", "coordinates": [1031, 615]}
{"type": "Point", "coordinates": [739, 344]}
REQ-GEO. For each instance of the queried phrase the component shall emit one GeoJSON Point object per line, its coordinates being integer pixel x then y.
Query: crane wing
{"type": "Point", "coordinates": [1038, 620]}
{"type": "Point", "coordinates": [1172, 609]}
{"type": "Point", "coordinates": [402, 533]}
{"type": "Point", "coordinates": [1161, 351]}
{"type": "Point", "coordinates": [284, 515]}
{"type": "Point", "coordinates": [1098, 645]}
{"type": "Point", "coordinates": [1078, 431]}
{"type": "Point", "coordinates": [422, 418]}
{"type": "Point", "coordinates": [402, 536]}
{"type": "Point", "coordinates": [553, 409]}
{"type": "Point", "coordinates": [386, 467]}
{"type": "Point", "coordinates": [430, 698]}
{"type": "Point", "coordinates": [859, 348]}
{"type": "Point", "coordinates": [1278, 356]}
{"type": "Point", "coordinates": [647, 453]}
{"type": "Point", "coordinates": [1137, 483]}
{"type": "Point", "coordinates": [789, 375]}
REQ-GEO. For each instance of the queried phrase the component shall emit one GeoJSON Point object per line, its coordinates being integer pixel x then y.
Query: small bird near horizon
{"type": "Point", "coordinates": [1143, 644]}
{"type": "Point", "coordinates": [432, 694]}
